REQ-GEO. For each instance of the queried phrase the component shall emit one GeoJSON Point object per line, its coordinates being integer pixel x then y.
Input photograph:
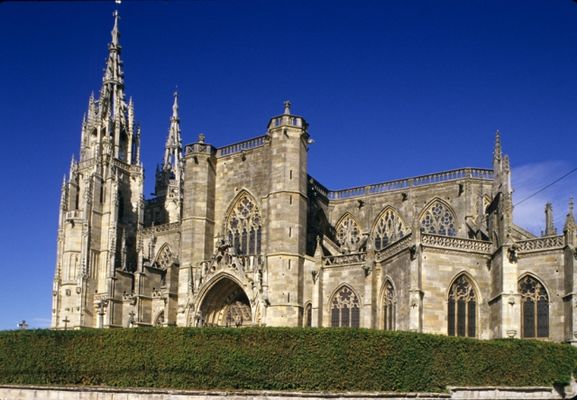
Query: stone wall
{"type": "Point", "coordinates": [95, 393]}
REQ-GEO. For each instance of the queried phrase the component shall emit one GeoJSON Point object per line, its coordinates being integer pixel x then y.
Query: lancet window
{"type": "Point", "coordinates": [308, 315]}
{"type": "Point", "coordinates": [462, 308]}
{"type": "Point", "coordinates": [389, 228]}
{"type": "Point", "coordinates": [244, 227]}
{"type": "Point", "coordinates": [534, 308]}
{"type": "Point", "coordinates": [345, 310]}
{"type": "Point", "coordinates": [439, 219]}
{"type": "Point", "coordinates": [389, 306]}
{"type": "Point", "coordinates": [348, 232]}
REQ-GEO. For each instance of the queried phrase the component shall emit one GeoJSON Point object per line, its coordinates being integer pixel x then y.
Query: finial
{"type": "Point", "coordinates": [175, 104]}
{"type": "Point", "coordinates": [287, 107]}
{"type": "Point", "coordinates": [570, 220]}
{"type": "Point", "coordinates": [201, 138]}
{"type": "Point", "coordinates": [497, 154]}
{"type": "Point", "coordinates": [571, 204]}
{"type": "Point", "coordinates": [115, 33]}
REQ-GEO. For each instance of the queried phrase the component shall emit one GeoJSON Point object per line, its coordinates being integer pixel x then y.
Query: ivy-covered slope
{"type": "Point", "coordinates": [277, 359]}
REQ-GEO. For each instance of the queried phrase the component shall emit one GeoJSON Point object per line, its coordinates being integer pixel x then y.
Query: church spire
{"type": "Point", "coordinates": [112, 92]}
{"type": "Point", "coordinates": [173, 147]}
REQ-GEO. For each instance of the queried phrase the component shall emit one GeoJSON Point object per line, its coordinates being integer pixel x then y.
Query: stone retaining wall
{"type": "Point", "coordinates": [17, 392]}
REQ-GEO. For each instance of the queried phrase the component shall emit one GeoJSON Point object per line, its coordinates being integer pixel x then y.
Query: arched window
{"type": "Point", "coordinates": [389, 228]}
{"type": "Point", "coordinates": [164, 258]}
{"type": "Point", "coordinates": [389, 306]}
{"type": "Point", "coordinates": [243, 226]}
{"type": "Point", "coordinates": [438, 219]}
{"type": "Point", "coordinates": [462, 308]}
{"type": "Point", "coordinates": [345, 310]}
{"type": "Point", "coordinates": [159, 321]}
{"type": "Point", "coordinates": [348, 232]}
{"type": "Point", "coordinates": [308, 315]}
{"type": "Point", "coordinates": [534, 308]}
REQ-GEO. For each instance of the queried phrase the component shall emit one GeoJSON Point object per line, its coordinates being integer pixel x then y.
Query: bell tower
{"type": "Point", "coordinates": [100, 208]}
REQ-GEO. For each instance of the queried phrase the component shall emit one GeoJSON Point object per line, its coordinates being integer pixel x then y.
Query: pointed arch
{"type": "Point", "coordinates": [438, 218]}
{"type": "Point", "coordinates": [462, 301]}
{"type": "Point", "coordinates": [159, 319]}
{"type": "Point", "coordinates": [388, 227]}
{"type": "Point", "coordinates": [345, 307]}
{"type": "Point", "coordinates": [389, 305]}
{"type": "Point", "coordinates": [243, 224]}
{"type": "Point", "coordinates": [164, 258]}
{"type": "Point", "coordinates": [534, 306]}
{"type": "Point", "coordinates": [348, 231]}
{"type": "Point", "coordinates": [308, 315]}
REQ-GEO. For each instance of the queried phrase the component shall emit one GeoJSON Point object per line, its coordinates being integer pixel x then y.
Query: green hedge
{"type": "Point", "coordinates": [277, 359]}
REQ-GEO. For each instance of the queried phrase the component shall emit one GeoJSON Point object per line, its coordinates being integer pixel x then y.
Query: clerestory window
{"type": "Point", "coordinates": [388, 229]}
{"type": "Point", "coordinates": [439, 219]}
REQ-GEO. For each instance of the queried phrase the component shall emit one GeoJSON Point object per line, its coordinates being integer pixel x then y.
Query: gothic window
{"type": "Point", "coordinates": [159, 321]}
{"type": "Point", "coordinates": [308, 315]}
{"type": "Point", "coordinates": [462, 308]}
{"type": "Point", "coordinates": [348, 232]}
{"type": "Point", "coordinates": [534, 308]}
{"type": "Point", "coordinates": [388, 229]}
{"type": "Point", "coordinates": [438, 219]}
{"type": "Point", "coordinates": [164, 259]}
{"type": "Point", "coordinates": [389, 306]}
{"type": "Point", "coordinates": [345, 309]}
{"type": "Point", "coordinates": [243, 226]}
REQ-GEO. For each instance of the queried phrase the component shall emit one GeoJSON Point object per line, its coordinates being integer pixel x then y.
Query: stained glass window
{"type": "Point", "coordinates": [345, 310]}
{"type": "Point", "coordinates": [439, 220]}
{"type": "Point", "coordinates": [534, 308]}
{"type": "Point", "coordinates": [243, 226]}
{"type": "Point", "coordinates": [462, 308]}
{"type": "Point", "coordinates": [388, 229]}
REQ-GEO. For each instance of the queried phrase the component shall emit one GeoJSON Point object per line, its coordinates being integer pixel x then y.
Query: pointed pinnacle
{"type": "Point", "coordinates": [115, 33]}
{"type": "Point", "coordinates": [497, 153]}
{"type": "Point", "coordinates": [175, 105]}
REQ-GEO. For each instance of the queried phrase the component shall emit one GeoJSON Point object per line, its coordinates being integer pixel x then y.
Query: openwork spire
{"type": "Point", "coordinates": [173, 147]}
{"type": "Point", "coordinates": [112, 92]}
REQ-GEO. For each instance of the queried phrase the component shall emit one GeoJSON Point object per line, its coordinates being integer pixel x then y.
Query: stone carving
{"type": "Point", "coordinates": [539, 244]}
{"type": "Point", "coordinates": [343, 259]}
{"type": "Point", "coordinates": [393, 248]}
{"type": "Point", "coordinates": [470, 245]}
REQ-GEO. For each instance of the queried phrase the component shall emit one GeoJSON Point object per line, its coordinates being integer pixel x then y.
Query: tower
{"type": "Point", "coordinates": [287, 215]}
{"type": "Point", "coordinates": [100, 209]}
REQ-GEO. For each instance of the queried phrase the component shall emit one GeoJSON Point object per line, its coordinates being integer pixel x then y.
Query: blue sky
{"type": "Point", "coordinates": [390, 89]}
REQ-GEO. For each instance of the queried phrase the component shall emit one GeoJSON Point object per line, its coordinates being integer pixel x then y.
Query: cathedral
{"type": "Point", "coordinates": [242, 235]}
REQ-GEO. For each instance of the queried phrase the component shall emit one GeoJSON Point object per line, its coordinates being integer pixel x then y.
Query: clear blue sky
{"type": "Point", "coordinates": [390, 89]}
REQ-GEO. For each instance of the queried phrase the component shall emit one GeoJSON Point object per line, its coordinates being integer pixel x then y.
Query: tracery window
{"type": "Point", "coordinates": [389, 228]}
{"type": "Point", "coordinates": [308, 315]}
{"type": "Point", "coordinates": [345, 311]}
{"type": "Point", "coordinates": [164, 259]}
{"type": "Point", "coordinates": [348, 232]}
{"type": "Point", "coordinates": [438, 220]}
{"type": "Point", "coordinates": [243, 227]}
{"type": "Point", "coordinates": [534, 308]}
{"type": "Point", "coordinates": [462, 308]}
{"type": "Point", "coordinates": [389, 306]}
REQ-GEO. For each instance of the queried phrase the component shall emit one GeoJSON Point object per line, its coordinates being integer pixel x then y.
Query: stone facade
{"type": "Point", "coordinates": [242, 235]}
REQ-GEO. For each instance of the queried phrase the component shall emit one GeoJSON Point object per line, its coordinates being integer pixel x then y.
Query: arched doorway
{"type": "Point", "coordinates": [226, 304]}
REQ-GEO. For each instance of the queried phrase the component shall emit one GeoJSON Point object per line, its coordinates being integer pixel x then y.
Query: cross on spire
{"type": "Point", "coordinates": [287, 107]}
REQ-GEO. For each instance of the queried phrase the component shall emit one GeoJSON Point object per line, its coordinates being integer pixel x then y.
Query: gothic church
{"type": "Point", "coordinates": [241, 235]}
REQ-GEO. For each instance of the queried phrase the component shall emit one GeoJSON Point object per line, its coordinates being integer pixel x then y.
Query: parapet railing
{"type": "Point", "coordinates": [241, 146]}
{"type": "Point", "coordinates": [543, 243]}
{"type": "Point", "coordinates": [345, 259]}
{"type": "Point", "coordinates": [456, 243]}
{"type": "Point", "coordinates": [439, 177]}
{"type": "Point", "coordinates": [317, 186]}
